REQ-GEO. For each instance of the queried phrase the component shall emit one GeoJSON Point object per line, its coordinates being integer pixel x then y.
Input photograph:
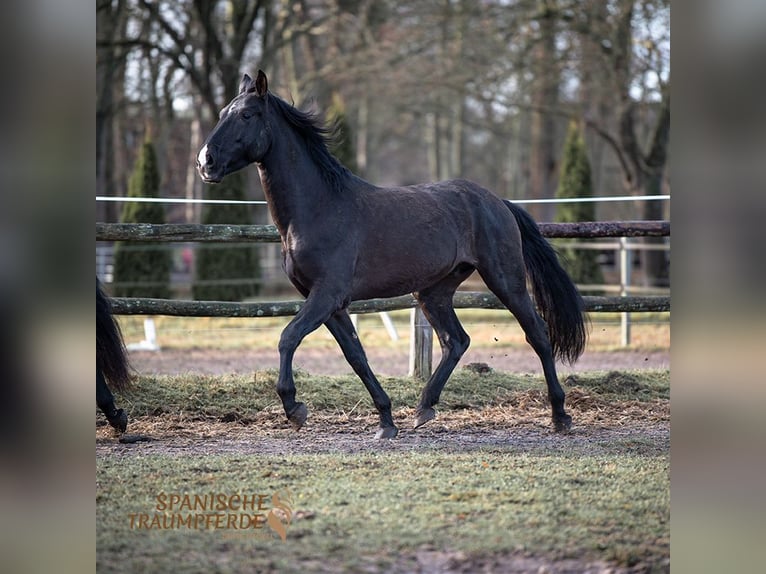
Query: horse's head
{"type": "Point", "coordinates": [242, 135]}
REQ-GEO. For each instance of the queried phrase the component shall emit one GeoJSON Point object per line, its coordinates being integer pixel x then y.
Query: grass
{"type": "Point", "coordinates": [487, 328]}
{"type": "Point", "coordinates": [589, 496]}
{"type": "Point", "coordinates": [367, 512]}
{"type": "Point", "coordinates": [216, 397]}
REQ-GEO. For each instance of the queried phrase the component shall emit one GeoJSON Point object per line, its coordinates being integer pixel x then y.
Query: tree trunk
{"type": "Point", "coordinates": [362, 134]}
{"type": "Point", "coordinates": [542, 180]}
{"type": "Point", "coordinates": [109, 64]}
{"type": "Point", "coordinates": [193, 182]}
{"type": "Point", "coordinates": [654, 262]}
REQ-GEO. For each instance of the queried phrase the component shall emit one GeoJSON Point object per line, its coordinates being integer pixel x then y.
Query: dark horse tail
{"type": "Point", "coordinates": [111, 356]}
{"type": "Point", "coordinates": [557, 298]}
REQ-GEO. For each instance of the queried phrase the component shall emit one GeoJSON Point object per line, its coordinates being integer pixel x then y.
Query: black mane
{"type": "Point", "coordinates": [318, 138]}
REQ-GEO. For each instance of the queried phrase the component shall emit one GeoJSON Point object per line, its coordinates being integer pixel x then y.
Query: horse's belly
{"type": "Point", "coordinates": [382, 291]}
{"type": "Point", "coordinates": [399, 278]}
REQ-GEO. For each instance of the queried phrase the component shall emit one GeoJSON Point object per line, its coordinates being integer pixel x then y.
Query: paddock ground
{"type": "Point", "coordinates": [485, 487]}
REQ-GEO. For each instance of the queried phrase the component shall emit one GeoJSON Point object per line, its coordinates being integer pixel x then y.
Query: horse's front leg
{"type": "Point", "coordinates": [317, 310]}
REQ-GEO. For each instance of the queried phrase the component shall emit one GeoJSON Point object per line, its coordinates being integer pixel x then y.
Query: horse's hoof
{"type": "Point", "coordinates": [298, 416]}
{"type": "Point", "coordinates": [386, 432]}
{"type": "Point", "coordinates": [119, 421]}
{"type": "Point", "coordinates": [563, 424]}
{"type": "Point", "coordinates": [423, 416]}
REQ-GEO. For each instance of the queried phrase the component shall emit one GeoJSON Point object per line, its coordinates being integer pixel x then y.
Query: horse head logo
{"type": "Point", "coordinates": [281, 514]}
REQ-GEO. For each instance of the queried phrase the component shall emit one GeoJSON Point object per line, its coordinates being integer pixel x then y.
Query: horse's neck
{"type": "Point", "coordinates": [293, 186]}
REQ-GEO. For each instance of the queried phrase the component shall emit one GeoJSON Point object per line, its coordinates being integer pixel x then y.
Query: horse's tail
{"type": "Point", "coordinates": [557, 298]}
{"type": "Point", "coordinates": [111, 355]}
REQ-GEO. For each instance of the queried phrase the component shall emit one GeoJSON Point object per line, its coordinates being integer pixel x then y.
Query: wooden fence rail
{"type": "Point", "coordinates": [462, 300]}
{"type": "Point", "coordinates": [269, 234]}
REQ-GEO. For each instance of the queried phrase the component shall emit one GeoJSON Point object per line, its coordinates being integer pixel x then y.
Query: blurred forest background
{"type": "Point", "coordinates": [423, 89]}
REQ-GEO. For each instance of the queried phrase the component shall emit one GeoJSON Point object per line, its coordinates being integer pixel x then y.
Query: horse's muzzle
{"type": "Point", "coordinates": [206, 177]}
{"type": "Point", "coordinates": [206, 166]}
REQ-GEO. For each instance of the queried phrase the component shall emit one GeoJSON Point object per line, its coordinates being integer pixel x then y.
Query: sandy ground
{"type": "Point", "coordinates": [383, 362]}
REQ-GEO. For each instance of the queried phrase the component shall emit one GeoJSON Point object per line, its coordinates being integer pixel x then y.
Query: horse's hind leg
{"type": "Point", "coordinates": [105, 401]}
{"type": "Point", "coordinates": [519, 303]}
{"type": "Point", "coordinates": [343, 330]}
{"type": "Point", "coordinates": [436, 303]}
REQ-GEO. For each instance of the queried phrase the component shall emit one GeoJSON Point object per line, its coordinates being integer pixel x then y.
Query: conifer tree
{"type": "Point", "coordinates": [218, 263]}
{"type": "Point", "coordinates": [143, 269]}
{"type": "Point", "coordinates": [575, 182]}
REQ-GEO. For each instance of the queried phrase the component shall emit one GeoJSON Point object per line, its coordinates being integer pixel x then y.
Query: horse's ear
{"type": "Point", "coordinates": [261, 84]}
{"type": "Point", "coordinates": [245, 84]}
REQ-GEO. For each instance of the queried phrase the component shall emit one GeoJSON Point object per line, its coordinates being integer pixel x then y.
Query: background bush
{"type": "Point", "coordinates": [143, 269]}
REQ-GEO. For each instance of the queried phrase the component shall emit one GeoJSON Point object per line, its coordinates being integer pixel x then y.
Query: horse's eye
{"type": "Point", "coordinates": [247, 114]}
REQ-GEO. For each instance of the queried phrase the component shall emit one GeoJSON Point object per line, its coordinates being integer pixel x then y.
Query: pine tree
{"type": "Point", "coordinates": [218, 263]}
{"type": "Point", "coordinates": [143, 269]}
{"type": "Point", "coordinates": [575, 182]}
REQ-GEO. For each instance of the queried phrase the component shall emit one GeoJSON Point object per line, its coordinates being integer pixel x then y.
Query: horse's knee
{"type": "Point", "coordinates": [540, 343]}
{"type": "Point", "coordinates": [287, 343]}
{"type": "Point", "coordinates": [537, 336]}
{"type": "Point", "coordinates": [457, 344]}
{"type": "Point", "coordinates": [463, 341]}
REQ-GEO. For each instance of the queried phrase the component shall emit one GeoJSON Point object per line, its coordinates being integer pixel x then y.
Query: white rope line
{"type": "Point", "coordinates": [177, 200]}
{"type": "Point", "coordinates": [261, 202]}
{"type": "Point", "coordinates": [594, 199]}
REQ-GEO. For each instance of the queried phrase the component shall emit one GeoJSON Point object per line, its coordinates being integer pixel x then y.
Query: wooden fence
{"type": "Point", "coordinates": [422, 338]}
{"type": "Point", "coordinates": [268, 233]}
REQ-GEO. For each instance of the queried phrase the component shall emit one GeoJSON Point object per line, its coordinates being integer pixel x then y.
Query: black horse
{"type": "Point", "coordinates": [111, 362]}
{"type": "Point", "coordinates": [344, 239]}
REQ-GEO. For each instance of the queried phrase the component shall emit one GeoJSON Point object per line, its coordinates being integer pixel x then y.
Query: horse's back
{"type": "Point", "coordinates": [411, 237]}
{"type": "Point", "coordinates": [457, 200]}
{"type": "Point", "coordinates": [459, 208]}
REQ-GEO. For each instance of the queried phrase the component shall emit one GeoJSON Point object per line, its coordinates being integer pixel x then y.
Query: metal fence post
{"type": "Point", "coordinates": [150, 338]}
{"type": "Point", "coordinates": [421, 345]}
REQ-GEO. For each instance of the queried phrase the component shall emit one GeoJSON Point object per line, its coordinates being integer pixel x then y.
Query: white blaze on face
{"type": "Point", "coordinates": [202, 156]}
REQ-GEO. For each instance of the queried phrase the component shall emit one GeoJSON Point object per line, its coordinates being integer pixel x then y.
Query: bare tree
{"type": "Point", "coordinates": [630, 38]}
{"type": "Point", "coordinates": [483, 89]}
{"type": "Point", "coordinates": [110, 69]}
{"type": "Point", "coordinates": [545, 101]}
{"type": "Point", "coordinates": [206, 39]}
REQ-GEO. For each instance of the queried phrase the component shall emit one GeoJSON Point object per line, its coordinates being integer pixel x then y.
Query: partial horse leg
{"type": "Point", "coordinates": [343, 330]}
{"type": "Point", "coordinates": [318, 309]}
{"type": "Point", "coordinates": [105, 401]}
{"type": "Point", "coordinates": [520, 304]}
{"type": "Point", "coordinates": [436, 302]}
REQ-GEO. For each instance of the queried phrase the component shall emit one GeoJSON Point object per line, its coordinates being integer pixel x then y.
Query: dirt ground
{"type": "Point", "coordinates": [383, 361]}
{"type": "Point", "coordinates": [526, 426]}
{"type": "Point", "coordinates": [452, 431]}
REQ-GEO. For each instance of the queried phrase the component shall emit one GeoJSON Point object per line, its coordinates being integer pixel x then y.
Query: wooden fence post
{"type": "Point", "coordinates": [421, 345]}
{"type": "Point", "coordinates": [626, 265]}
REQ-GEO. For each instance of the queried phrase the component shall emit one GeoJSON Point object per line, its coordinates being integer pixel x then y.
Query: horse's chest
{"type": "Point", "coordinates": [303, 261]}
{"type": "Point", "coordinates": [325, 252]}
